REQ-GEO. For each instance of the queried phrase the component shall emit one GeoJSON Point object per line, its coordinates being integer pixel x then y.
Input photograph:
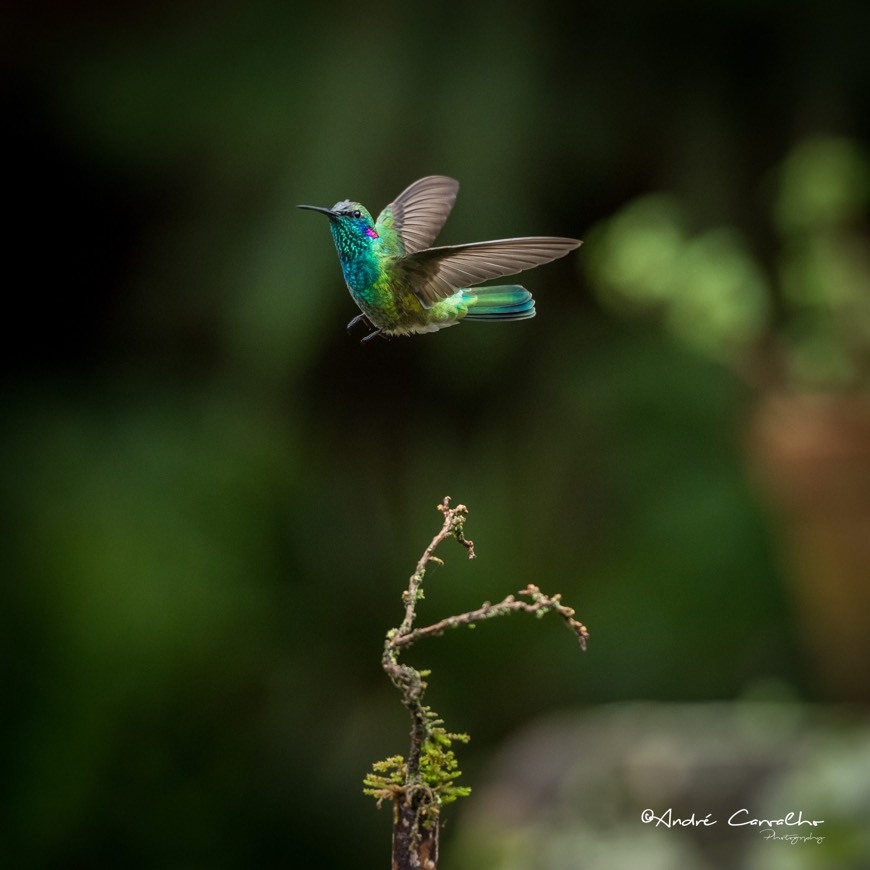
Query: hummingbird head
{"type": "Point", "coordinates": [353, 228]}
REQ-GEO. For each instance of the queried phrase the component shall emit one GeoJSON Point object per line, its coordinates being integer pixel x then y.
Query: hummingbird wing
{"type": "Point", "coordinates": [419, 211]}
{"type": "Point", "coordinates": [437, 273]}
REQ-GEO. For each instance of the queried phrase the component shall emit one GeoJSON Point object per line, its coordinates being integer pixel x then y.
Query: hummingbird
{"type": "Point", "coordinates": [402, 286]}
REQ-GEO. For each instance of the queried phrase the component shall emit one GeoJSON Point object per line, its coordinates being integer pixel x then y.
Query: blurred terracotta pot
{"type": "Point", "coordinates": [811, 454]}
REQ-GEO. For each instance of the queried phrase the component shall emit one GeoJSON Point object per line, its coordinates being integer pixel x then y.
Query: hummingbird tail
{"type": "Point", "coordinates": [507, 302]}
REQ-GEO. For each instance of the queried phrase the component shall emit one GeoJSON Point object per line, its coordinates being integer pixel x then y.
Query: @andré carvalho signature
{"type": "Point", "coordinates": [740, 818]}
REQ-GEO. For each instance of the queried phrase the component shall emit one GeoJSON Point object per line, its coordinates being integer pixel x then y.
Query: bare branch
{"type": "Point", "coordinates": [538, 606]}
{"type": "Point", "coordinates": [454, 520]}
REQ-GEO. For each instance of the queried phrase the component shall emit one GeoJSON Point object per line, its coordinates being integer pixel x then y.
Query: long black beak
{"type": "Point", "coordinates": [327, 211]}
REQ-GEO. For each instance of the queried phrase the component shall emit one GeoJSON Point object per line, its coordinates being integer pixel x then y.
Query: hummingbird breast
{"type": "Point", "coordinates": [360, 274]}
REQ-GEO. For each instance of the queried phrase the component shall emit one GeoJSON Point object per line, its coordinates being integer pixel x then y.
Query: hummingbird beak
{"type": "Point", "coordinates": [327, 211]}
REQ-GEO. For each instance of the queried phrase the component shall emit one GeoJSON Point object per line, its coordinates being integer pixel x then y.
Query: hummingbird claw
{"type": "Point", "coordinates": [358, 319]}
{"type": "Point", "coordinates": [371, 335]}
{"type": "Point", "coordinates": [362, 318]}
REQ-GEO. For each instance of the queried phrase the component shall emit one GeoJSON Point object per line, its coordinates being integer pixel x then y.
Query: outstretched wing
{"type": "Point", "coordinates": [419, 211]}
{"type": "Point", "coordinates": [437, 273]}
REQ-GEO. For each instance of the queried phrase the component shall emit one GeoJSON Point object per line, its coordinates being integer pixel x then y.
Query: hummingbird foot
{"type": "Point", "coordinates": [360, 318]}
{"type": "Point", "coordinates": [371, 335]}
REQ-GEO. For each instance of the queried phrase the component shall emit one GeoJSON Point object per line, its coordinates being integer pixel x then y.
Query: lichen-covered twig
{"type": "Point", "coordinates": [420, 786]}
{"type": "Point", "coordinates": [453, 526]}
{"type": "Point", "coordinates": [539, 605]}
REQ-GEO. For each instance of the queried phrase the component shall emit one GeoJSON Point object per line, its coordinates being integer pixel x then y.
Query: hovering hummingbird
{"type": "Point", "coordinates": [402, 286]}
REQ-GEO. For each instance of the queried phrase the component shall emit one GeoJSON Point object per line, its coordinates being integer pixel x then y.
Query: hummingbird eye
{"type": "Point", "coordinates": [357, 213]}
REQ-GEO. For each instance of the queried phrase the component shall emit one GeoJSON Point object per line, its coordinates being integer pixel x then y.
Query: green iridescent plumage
{"type": "Point", "coordinates": [402, 286]}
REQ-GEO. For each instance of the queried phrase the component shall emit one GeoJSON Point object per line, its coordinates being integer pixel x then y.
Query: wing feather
{"type": "Point", "coordinates": [419, 211]}
{"type": "Point", "coordinates": [436, 273]}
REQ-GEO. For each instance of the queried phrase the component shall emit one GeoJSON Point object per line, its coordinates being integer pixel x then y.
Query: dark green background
{"type": "Point", "coordinates": [212, 496]}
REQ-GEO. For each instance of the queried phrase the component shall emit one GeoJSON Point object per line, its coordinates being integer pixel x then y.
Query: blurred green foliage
{"type": "Point", "coordinates": [709, 291]}
{"type": "Point", "coordinates": [712, 293]}
{"type": "Point", "coordinates": [212, 496]}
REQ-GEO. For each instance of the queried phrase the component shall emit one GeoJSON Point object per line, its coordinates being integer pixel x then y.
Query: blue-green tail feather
{"type": "Point", "coordinates": [507, 302]}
